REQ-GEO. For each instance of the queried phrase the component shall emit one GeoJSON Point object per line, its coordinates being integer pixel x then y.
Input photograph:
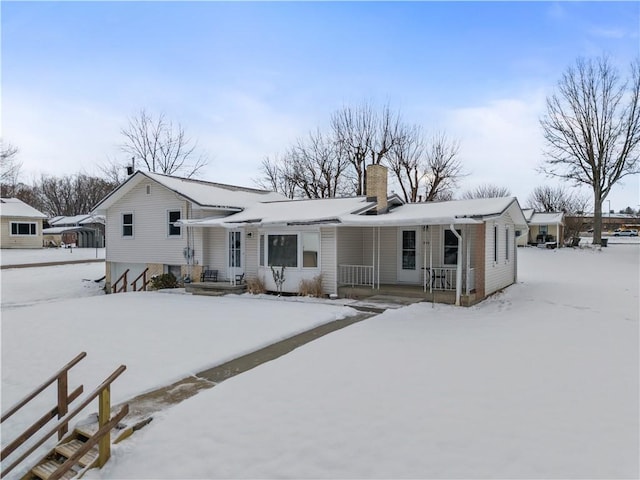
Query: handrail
{"type": "Point", "coordinates": [38, 390]}
{"type": "Point", "coordinates": [88, 445]}
{"type": "Point", "coordinates": [63, 422]}
{"type": "Point", "coordinates": [124, 283]}
{"type": "Point", "coordinates": [145, 282]}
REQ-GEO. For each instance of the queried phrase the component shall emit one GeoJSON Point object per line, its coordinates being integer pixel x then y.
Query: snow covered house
{"type": "Point", "coordinates": [144, 238]}
{"type": "Point", "coordinates": [456, 252]}
{"type": "Point", "coordinates": [21, 224]}
{"type": "Point", "coordinates": [544, 228]}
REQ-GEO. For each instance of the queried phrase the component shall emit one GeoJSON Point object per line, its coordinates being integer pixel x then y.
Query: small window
{"type": "Point", "coordinates": [174, 230]}
{"type": "Point", "coordinates": [262, 250]}
{"type": "Point", "coordinates": [495, 243]}
{"type": "Point", "coordinates": [543, 229]}
{"type": "Point", "coordinates": [283, 250]}
{"type": "Point", "coordinates": [310, 249]}
{"type": "Point", "coordinates": [451, 247]}
{"type": "Point", "coordinates": [24, 229]}
{"type": "Point", "coordinates": [506, 243]}
{"type": "Point", "coordinates": [127, 224]}
{"type": "Point", "coordinates": [148, 189]}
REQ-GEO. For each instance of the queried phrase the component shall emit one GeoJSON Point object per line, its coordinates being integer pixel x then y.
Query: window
{"type": "Point", "coordinates": [408, 249]}
{"type": "Point", "coordinates": [262, 250]}
{"type": "Point", "coordinates": [506, 243]}
{"type": "Point", "coordinates": [235, 249]}
{"type": "Point", "coordinates": [283, 250]}
{"type": "Point", "coordinates": [543, 229]}
{"type": "Point", "coordinates": [310, 249]}
{"type": "Point", "coordinates": [174, 230]}
{"type": "Point", "coordinates": [27, 228]}
{"type": "Point", "coordinates": [495, 243]}
{"type": "Point", "coordinates": [127, 224]}
{"type": "Point", "coordinates": [451, 247]}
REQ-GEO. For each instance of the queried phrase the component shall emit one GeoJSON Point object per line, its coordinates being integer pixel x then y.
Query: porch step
{"type": "Point", "coordinates": [48, 468]}
{"type": "Point", "coordinates": [69, 448]}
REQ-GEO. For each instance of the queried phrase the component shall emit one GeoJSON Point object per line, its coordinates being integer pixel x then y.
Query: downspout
{"type": "Point", "coordinates": [458, 265]}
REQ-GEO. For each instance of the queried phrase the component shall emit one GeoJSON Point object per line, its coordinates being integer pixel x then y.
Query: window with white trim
{"type": "Point", "coordinates": [262, 250]}
{"type": "Point", "coordinates": [173, 217]}
{"type": "Point", "coordinates": [24, 229]}
{"type": "Point", "coordinates": [127, 224]}
{"type": "Point", "coordinates": [506, 243]}
{"type": "Point", "coordinates": [451, 247]}
{"type": "Point", "coordinates": [283, 250]}
{"type": "Point", "coordinates": [310, 249]}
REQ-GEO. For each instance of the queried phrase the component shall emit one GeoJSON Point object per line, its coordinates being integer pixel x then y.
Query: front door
{"type": "Point", "coordinates": [236, 254]}
{"type": "Point", "coordinates": [408, 255]}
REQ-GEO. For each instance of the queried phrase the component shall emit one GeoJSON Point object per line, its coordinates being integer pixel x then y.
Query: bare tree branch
{"type": "Point", "coordinates": [162, 147]}
{"type": "Point", "coordinates": [487, 190]}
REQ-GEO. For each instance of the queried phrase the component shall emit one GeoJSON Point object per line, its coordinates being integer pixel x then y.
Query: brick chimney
{"type": "Point", "coordinates": [377, 186]}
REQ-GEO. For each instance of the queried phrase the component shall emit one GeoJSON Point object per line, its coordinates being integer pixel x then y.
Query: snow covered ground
{"type": "Point", "coordinates": [10, 256]}
{"type": "Point", "coordinates": [540, 381]}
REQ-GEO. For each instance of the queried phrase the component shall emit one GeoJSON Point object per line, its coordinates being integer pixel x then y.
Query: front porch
{"type": "Point", "coordinates": [410, 291]}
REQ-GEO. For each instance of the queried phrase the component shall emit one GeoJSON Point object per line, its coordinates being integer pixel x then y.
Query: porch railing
{"type": "Point", "coordinates": [441, 278]}
{"type": "Point", "coordinates": [145, 281]}
{"type": "Point", "coordinates": [356, 275]}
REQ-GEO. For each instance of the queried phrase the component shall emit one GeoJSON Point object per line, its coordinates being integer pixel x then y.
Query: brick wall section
{"type": "Point", "coordinates": [480, 256]}
{"type": "Point", "coordinates": [377, 185]}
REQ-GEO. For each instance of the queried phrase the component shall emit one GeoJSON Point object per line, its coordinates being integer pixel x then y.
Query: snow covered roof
{"type": "Point", "coordinates": [202, 193]}
{"type": "Point", "coordinates": [442, 213]}
{"type": "Point", "coordinates": [547, 218]}
{"type": "Point", "coordinates": [59, 230]}
{"type": "Point", "coordinates": [528, 213]}
{"type": "Point", "coordinates": [325, 210]}
{"type": "Point", "coordinates": [349, 211]}
{"type": "Point", "coordinates": [76, 220]}
{"type": "Point", "coordinates": [12, 207]}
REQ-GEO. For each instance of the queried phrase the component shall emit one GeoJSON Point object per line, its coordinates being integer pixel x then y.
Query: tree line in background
{"type": "Point", "coordinates": [591, 128]}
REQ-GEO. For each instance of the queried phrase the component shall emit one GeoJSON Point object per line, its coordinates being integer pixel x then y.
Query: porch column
{"type": "Point", "coordinates": [458, 265]}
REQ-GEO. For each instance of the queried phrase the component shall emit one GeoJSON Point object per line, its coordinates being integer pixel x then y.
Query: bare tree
{"type": "Point", "coordinates": [317, 167]}
{"type": "Point", "coordinates": [9, 169]}
{"type": "Point", "coordinates": [557, 199]}
{"type": "Point", "coordinates": [443, 169]}
{"type": "Point", "coordinates": [486, 190]}
{"type": "Point", "coordinates": [362, 134]}
{"type": "Point", "coordinates": [113, 171]}
{"type": "Point", "coordinates": [277, 177]}
{"type": "Point", "coordinates": [70, 195]}
{"type": "Point", "coordinates": [413, 160]}
{"type": "Point", "coordinates": [592, 129]}
{"type": "Point", "coordinates": [161, 146]}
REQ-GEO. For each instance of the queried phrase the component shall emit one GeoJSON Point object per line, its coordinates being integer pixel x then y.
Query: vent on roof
{"type": "Point", "coordinates": [148, 189]}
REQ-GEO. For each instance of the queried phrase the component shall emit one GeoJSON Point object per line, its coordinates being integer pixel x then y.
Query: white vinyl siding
{"type": "Point", "coordinates": [498, 274]}
{"type": "Point", "coordinates": [328, 259]}
{"type": "Point", "coordinates": [149, 243]}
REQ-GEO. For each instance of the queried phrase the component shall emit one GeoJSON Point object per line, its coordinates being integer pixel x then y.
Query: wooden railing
{"type": "Point", "coordinates": [102, 437]}
{"type": "Point", "coordinates": [145, 282]}
{"type": "Point", "coordinates": [123, 279]}
{"type": "Point", "coordinates": [64, 399]}
{"type": "Point", "coordinates": [353, 275]}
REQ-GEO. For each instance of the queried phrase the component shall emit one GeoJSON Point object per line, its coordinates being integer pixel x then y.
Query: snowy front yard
{"type": "Point", "coordinates": [540, 381]}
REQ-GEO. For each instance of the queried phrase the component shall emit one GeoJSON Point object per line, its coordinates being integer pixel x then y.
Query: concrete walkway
{"type": "Point", "coordinates": [145, 405]}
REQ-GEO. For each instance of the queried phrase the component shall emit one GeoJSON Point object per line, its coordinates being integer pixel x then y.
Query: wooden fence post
{"type": "Point", "coordinates": [63, 402]}
{"type": "Point", "coordinates": [104, 412]}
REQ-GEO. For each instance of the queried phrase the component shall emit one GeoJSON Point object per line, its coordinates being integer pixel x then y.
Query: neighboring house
{"type": "Point", "coordinates": [79, 231]}
{"type": "Point", "coordinates": [456, 252]}
{"type": "Point", "coordinates": [143, 234]}
{"type": "Point", "coordinates": [21, 224]}
{"type": "Point", "coordinates": [544, 228]}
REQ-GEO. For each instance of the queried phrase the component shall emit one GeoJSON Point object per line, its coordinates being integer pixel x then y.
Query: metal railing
{"type": "Point", "coordinates": [356, 275]}
{"type": "Point", "coordinates": [441, 278]}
